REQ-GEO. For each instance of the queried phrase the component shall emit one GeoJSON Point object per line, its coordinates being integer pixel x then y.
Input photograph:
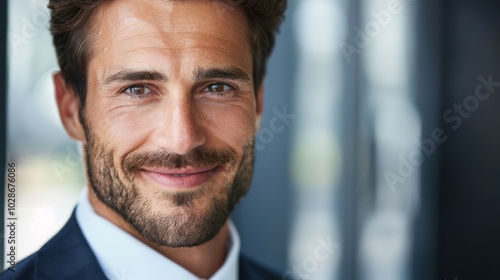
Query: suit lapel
{"type": "Point", "coordinates": [68, 256]}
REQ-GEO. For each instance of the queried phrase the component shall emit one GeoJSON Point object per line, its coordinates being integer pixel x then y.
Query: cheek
{"type": "Point", "coordinates": [125, 129]}
{"type": "Point", "coordinates": [233, 125]}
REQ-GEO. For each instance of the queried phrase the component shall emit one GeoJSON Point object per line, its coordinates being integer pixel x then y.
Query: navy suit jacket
{"type": "Point", "coordinates": [68, 256]}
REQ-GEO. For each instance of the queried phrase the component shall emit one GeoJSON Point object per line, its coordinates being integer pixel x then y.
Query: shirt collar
{"type": "Point", "coordinates": [122, 256]}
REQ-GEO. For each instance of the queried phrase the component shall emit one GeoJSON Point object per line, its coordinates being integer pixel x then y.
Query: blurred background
{"type": "Point", "coordinates": [378, 156]}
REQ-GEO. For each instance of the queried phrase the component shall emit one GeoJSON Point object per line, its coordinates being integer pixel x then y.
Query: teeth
{"type": "Point", "coordinates": [179, 175]}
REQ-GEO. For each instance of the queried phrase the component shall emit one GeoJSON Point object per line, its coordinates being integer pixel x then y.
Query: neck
{"type": "Point", "coordinates": [203, 261]}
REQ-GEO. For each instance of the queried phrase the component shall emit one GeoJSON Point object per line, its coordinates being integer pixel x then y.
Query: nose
{"type": "Point", "coordinates": [180, 130]}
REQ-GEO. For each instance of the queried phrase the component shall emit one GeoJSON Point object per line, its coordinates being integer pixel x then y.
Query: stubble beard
{"type": "Point", "coordinates": [186, 225]}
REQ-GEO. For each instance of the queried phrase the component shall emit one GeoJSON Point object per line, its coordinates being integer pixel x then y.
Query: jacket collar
{"type": "Point", "coordinates": [68, 256]}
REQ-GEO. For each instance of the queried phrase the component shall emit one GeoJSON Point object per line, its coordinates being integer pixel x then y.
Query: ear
{"type": "Point", "coordinates": [259, 105]}
{"type": "Point", "coordinates": [68, 104]}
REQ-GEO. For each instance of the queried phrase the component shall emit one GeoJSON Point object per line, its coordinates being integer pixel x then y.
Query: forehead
{"type": "Point", "coordinates": [131, 30]}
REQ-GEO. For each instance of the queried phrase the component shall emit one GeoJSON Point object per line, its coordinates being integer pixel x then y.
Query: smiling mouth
{"type": "Point", "coordinates": [186, 178]}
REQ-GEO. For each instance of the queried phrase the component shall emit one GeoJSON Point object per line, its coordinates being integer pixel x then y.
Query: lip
{"type": "Point", "coordinates": [186, 178]}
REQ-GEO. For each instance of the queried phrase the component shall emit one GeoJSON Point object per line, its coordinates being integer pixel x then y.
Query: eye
{"type": "Point", "coordinates": [138, 91]}
{"type": "Point", "coordinates": [219, 89]}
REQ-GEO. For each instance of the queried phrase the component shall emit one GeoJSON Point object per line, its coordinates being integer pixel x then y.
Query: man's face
{"type": "Point", "coordinates": [170, 115]}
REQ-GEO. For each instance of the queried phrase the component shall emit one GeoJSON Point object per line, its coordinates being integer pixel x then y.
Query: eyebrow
{"type": "Point", "coordinates": [133, 76]}
{"type": "Point", "coordinates": [231, 73]}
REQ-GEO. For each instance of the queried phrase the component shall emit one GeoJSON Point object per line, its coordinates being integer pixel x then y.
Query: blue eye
{"type": "Point", "coordinates": [138, 91]}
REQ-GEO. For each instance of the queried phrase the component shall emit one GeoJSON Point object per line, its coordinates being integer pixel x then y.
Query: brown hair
{"type": "Point", "coordinates": [71, 22]}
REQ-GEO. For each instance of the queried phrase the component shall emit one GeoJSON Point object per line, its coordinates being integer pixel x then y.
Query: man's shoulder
{"type": "Point", "coordinates": [67, 255]}
{"type": "Point", "coordinates": [23, 270]}
{"type": "Point", "coordinates": [251, 269]}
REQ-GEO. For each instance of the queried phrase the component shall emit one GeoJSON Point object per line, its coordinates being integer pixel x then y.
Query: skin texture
{"type": "Point", "coordinates": [170, 90]}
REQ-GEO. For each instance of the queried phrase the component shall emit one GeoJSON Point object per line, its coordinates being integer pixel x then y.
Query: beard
{"type": "Point", "coordinates": [165, 218]}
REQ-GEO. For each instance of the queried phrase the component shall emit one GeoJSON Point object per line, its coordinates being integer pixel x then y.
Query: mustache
{"type": "Point", "coordinates": [197, 158]}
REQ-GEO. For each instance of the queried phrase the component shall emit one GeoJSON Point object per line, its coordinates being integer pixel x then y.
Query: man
{"type": "Point", "coordinates": [166, 97]}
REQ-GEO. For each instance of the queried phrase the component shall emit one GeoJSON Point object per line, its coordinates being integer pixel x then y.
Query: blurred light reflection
{"type": "Point", "coordinates": [316, 157]}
